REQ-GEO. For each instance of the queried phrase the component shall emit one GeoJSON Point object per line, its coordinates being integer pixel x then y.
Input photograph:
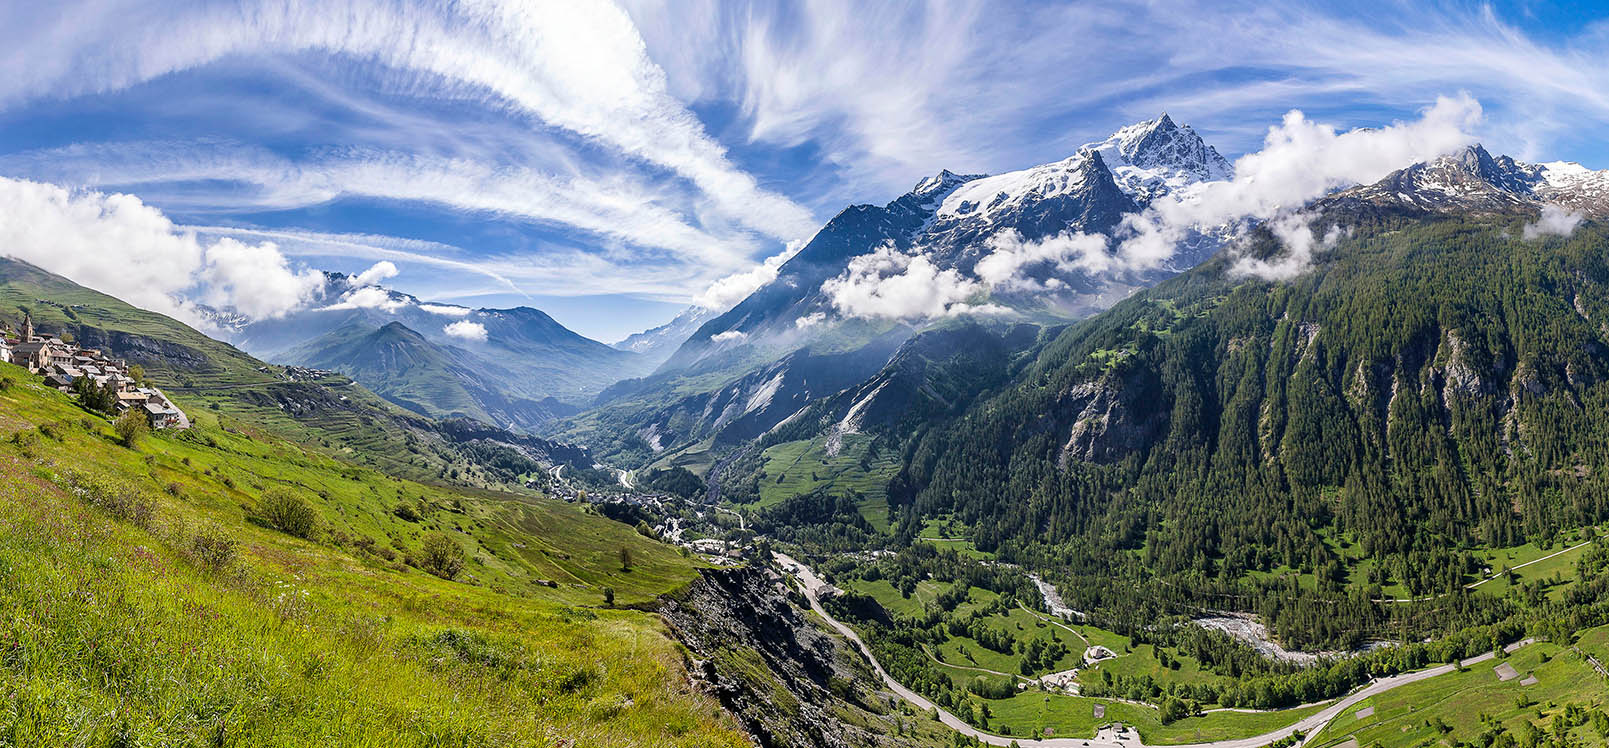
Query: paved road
{"type": "Point", "coordinates": [1309, 726]}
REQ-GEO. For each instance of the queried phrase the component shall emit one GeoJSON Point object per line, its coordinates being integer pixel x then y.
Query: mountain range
{"type": "Point", "coordinates": [947, 219]}
{"type": "Point", "coordinates": [513, 368]}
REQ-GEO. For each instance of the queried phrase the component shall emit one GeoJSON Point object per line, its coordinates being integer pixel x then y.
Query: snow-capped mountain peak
{"type": "Point", "coordinates": [942, 183]}
{"type": "Point", "coordinates": [1576, 187]}
{"type": "Point", "coordinates": [1158, 156]}
{"type": "Point", "coordinates": [986, 196]}
{"type": "Point", "coordinates": [1472, 180]}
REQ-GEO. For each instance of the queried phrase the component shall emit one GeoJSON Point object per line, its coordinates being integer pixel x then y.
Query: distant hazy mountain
{"type": "Point", "coordinates": [203, 372]}
{"type": "Point", "coordinates": [522, 352]}
{"type": "Point", "coordinates": [657, 343]}
{"type": "Point", "coordinates": [436, 380]}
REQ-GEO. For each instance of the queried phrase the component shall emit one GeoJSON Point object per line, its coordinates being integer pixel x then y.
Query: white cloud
{"type": "Point", "coordinates": [466, 330]}
{"type": "Point", "coordinates": [377, 272]}
{"type": "Point", "coordinates": [890, 284]}
{"type": "Point", "coordinates": [810, 320]}
{"type": "Point", "coordinates": [369, 297]}
{"type": "Point", "coordinates": [726, 292]}
{"type": "Point", "coordinates": [729, 336]}
{"type": "Point", "coordinates": [446, 311]}
{"type": "Point", "coordinates": [116, 244]}
{"type": "Point", "coordinates": [1555, 220]}
{"type": "Point", "coordinates": [1300, 160]}
{"type": "Point", "coordinates": [255, 279]}
{"type": "Point", "coordinates": [1295, 233]}
{"type": "Point", "coordinates": [1010, 256]}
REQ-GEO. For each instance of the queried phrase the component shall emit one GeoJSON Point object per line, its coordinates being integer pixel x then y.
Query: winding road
{"type": "Point", "coordinates": [1309, 726]}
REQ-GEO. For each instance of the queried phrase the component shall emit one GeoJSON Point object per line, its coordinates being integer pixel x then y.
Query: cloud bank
{"type": "Point", "coordinates": [118, 245]}
{"type": "Point", "coordinates": [890, 284]}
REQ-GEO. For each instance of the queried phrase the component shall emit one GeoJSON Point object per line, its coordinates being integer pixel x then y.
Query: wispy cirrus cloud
{"type": "Point", "coordinates": [202, 178]}
{"type": "Point", "coordinates": [897, 90]}
{"type": "Point", "coordinates": [576, 65]}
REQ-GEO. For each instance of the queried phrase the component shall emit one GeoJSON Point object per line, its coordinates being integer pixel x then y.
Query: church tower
{"type": "Point", "coordinates": [27, 327]}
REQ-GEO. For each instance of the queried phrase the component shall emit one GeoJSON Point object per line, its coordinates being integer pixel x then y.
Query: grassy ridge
{"type": "Point", "coordinates": [797, 468]}
{"type": "Point", "coordinates": [330, 414]}
{"type": "Point", "coordinates": [118, 626]}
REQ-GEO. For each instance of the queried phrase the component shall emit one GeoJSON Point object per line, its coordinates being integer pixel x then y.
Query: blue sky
{"type": "Point", "coordinates": [607, 162]}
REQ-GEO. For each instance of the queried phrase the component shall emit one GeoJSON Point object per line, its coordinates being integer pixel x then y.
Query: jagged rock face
{"type": "Point", "coordinates": [1151, 159]}
{"type": "Point", "coordinates": [1115, 416]}
{"type": "Point", "coordinates": [732, 616]}
{"type": "Point", "coordinates": [1077, 194]}
{"type": "Point", "coordinates": [146, 351]}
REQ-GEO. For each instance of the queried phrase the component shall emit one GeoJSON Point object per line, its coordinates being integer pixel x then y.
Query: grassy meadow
{"type": "Point", "coordinates": [1475, 706]}
{"type": "Point", "coordinates": [144, 600]}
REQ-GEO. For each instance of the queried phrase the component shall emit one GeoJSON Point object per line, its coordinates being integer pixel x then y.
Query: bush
{"type": "Point", "coordinates": [131, 427]}
{"type": "Point", "coordinates": [441, 555]}
{"type": "Point", "coordinates": [405, 511]}
{"type": "Point", "coordinates": [213, 548]}
{"type": "Point", "coordinates": [288, 512]}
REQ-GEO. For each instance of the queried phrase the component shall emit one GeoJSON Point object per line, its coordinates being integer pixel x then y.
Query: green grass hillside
{"type": "Point", "coordinates": [145, 600]}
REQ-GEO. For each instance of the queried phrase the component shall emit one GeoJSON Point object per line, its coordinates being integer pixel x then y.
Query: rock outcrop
{"type": "Point", "coordinates": [787, 681]}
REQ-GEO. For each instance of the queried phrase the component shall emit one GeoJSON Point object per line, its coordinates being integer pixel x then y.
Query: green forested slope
{"type": "Point", "coordinates": [1430, 387]}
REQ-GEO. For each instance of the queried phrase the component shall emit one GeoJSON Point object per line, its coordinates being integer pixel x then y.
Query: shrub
{"type": "Point", "coordinates": [213, 548]}
{"type": "Point", "coordinates": [288, 512]}
{"type": "Point", "coordinates": [131, 427]}
{"type": "Point", "coordinates": [406, 511]}
{"type": "Point", "coordinates": [441, 555]}
{"type": "Point", "coordinates": [608, 596]}
{"type": "Point", "coordinates": [118, 498]}
{"type": "Point", "coordinates": [7, 383]}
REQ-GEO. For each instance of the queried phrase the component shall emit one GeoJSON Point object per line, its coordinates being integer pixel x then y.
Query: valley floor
{"type": "Point", "coordinates": [1466, 684]}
